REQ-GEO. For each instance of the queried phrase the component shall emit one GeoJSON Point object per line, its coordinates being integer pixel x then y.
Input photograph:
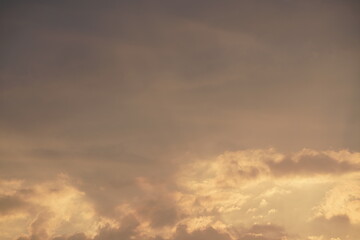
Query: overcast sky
{"type": "Point", "coordinates": [180, 120]}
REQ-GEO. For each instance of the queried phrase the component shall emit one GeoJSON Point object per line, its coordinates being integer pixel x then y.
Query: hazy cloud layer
{"type": "Point", "coordinates": [159, 120]}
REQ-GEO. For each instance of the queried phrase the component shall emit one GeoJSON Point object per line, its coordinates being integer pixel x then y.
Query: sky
{"type": "Point", "coordinates": [180, 120]}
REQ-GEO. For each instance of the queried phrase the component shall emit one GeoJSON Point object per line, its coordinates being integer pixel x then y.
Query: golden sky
{"type": "Point", "coordinates": [180, 120]}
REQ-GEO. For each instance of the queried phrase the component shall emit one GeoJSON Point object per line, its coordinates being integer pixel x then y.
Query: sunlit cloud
{"type": "Point", "coordinates": [219, 198]}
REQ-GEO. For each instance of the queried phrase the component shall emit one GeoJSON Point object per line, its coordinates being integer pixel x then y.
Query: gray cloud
{"type": "Point", "coordinates": [209, 233]}
{"type": "Point", "coordinates": [308, 164]}
{"type": "Point", "coordinates": [338, 225]}
{"type": "Point", "coordinates": [127, 233]}
{"type": "Point", "coordinates": [264, 232]}
{"type": "Point", "coordinates": [9, 204]}
{"type": "Point", "coordinates": [77, 236]}
{"type": "Point", "coordinates": [256, 232]}
{"type": "Point", "coordinates": [160, 212]}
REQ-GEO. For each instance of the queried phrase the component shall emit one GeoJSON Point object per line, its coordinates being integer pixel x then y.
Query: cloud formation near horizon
{"type": "Point", "coordinates": [237, 195]}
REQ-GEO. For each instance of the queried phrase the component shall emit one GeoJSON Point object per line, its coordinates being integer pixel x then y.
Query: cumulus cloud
{"type": "Point", "coordinates": [216, 198]}
{"type": "Point", "coordinates": [342, 202]}
{"type": "Point", "coordinates": [244, 166]}
{"type": "Point", "coordinates": [51, 207]}
{"type": "Point", "coordinates": [306, 191]}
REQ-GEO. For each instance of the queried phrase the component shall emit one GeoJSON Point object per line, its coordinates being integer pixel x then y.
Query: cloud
{"type": "Point", "coordinates": [250, 165]}
{"type": "Point", "coordinates": [208, 233]}
{"type": "Point", "coordinates": [163, 112]}
{"type": "Point", "coordinates": [160, 212]}
{"type": "Point", "coordinates": [39, 228]}
{"type": "Point", "coordinates": [315, 163]}
{"type": "Point", "coordinates": [335, 220]}
{"type": "Point", "coordinates": [264, 232]}
{"type": "Point", "coordinates": [286, 186]}
{"type": "Point", "coordinates": [342, 201]}
{"type": "Point", "coordinates": [77, 236]}
{"type": "Point", "coordinates": [50, 207]}
{"type": "Point", "coordinates": [9, 204]}
{"type": "Point", "coordinates": [337, 226]}
{"type": "Point", "coordinates": [217, 197]}
{"type": "Point", "coordinates": [129, 232]}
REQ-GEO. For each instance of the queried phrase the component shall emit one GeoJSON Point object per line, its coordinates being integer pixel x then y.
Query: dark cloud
{"type": "Point", "coordinates": [336, 220]}
{"type": "Point", "coordinates": [160, 212]}
{"type": "Point", "coordinates": [128, 232]}
{"type": "Point", "coordinates": [9, 204]}
{"type": "Point", "coordinates": [208, 233]}
{"type": "Point", "coordinates": [337, 225]}
{"type": "Point", "coordinates": [77, 236]}
{"type": "Point", "coordinates": [311, 165]}
{"type": "Point", "coordinates": [264, 232]}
